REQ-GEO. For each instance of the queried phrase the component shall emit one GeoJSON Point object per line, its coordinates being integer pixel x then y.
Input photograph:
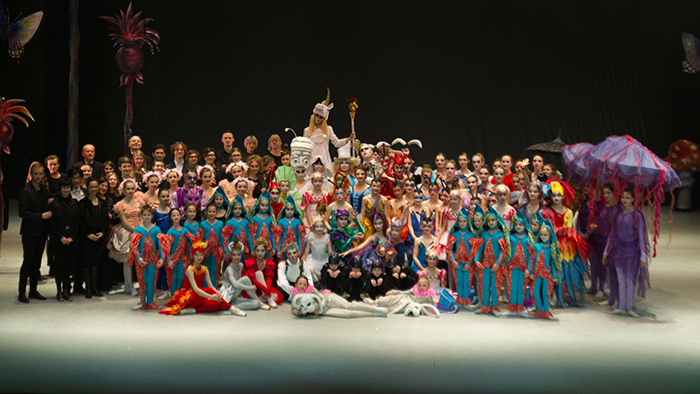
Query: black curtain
{"type": "Point", "coordinates": [491, 77]}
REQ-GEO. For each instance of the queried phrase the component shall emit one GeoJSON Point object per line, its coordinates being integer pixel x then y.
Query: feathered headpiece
{"type": "Point", "coordinates": [121, 185]}
{"type": "Point", "coordinates": [554, 185]}
{"type": "Point", "coordinates": [198, 246]}
{"type": "Point", "coordinates": [169, 170]}
{"type": "Point", "coordinates": [241, 164]}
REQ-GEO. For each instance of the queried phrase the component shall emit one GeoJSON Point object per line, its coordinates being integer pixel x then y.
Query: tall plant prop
{"type": "Point", "coordinates": [8, 111]}
{"type": "Point", "coordinates": [130, 34]}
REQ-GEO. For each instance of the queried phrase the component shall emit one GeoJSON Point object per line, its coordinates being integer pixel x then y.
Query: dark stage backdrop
{"type": "Point", "coordinates": [489, 76]}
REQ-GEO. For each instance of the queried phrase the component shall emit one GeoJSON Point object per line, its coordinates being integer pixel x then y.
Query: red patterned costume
{"type": "Point", "coordinates": [262, 279]}
{"type": "Point", "coordinates": [186, 297]}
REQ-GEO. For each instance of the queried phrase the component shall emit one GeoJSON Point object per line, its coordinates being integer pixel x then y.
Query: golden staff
{"type": "Point", "coordinates": [352, 108]}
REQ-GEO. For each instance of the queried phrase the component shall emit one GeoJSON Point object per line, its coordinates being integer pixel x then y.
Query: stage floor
{"type": "Point", "coordinates": [100, 345]}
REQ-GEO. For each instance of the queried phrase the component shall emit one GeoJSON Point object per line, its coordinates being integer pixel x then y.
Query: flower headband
{"type": "Point", "coordinates": [121, 185]}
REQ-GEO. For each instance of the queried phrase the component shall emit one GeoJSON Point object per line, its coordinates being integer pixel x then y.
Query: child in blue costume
{"type": "Point", "coordinates": [489, 259]}
{"type": "Point", "coordinates": [545, 272]}
{"type": "Point", "coordinates": [290, 227]}
{"type": "Point", "coordinates": [262, 223]}
{"type": "Point", "coordinates": [161, 219]}
{"type": "Point", "coordinates": [191, 225]}
{"type": "Point", "coordinates": [520, 264]}
{"type": "Point", "coordinates": [423, 244]}
{"type": "Point", "coordinates": [213, 231]}
{"type": "Point", "coordinates": [221, 202]}
{"type": "Point", "coordinates": [462, 248]}
{"type": "Point", "coordinates": [238, 226]}
{"type": "Point", "coordinates": [146, 255]}
{"type": "Point", "coordinates": [174, 246]}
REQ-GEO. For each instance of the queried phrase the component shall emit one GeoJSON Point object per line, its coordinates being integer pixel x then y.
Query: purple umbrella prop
{"type": "Point", "coordinates": [625, 161]}
{"type": "Point", "coordinates": [572, 156]}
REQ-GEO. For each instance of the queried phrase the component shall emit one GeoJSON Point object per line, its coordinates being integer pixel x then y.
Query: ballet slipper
{"type": "Point", "coordinates": [164, 296]}
{"type": "Point", "coordinates": [137, 307]}
{"type": "Point", "coordinates": [604, 303]}
{"type": "Point", "coordinates": [188, 311]}
{"type": "Point", "coordinates": [265, 307]}
{"type": "Point", "coordinates": [496, 313]}
{"type": "Point", "coordinates": [524, 314]}
{"type": "Point", "coordinates": [617, 312]}
{"type": "Point", "coordinates": [272, 303]}
{"type": "Point", "coordinates": [633, 314]}
{"type": "Point", "coordinates": [599, 294]}
{"type": "Point", "coordinates": [237, 312]}
{"type": "Point", "coordinates": [507, 314]}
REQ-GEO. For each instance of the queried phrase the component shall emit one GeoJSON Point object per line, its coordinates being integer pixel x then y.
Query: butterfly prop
{"type": "Point", "coordinates": [19, 32]}
{"type": "Point", "coordinates": [691, 45]}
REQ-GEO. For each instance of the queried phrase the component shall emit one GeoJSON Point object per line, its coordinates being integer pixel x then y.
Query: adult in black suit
{"type": "Point", "coordinates": [89, 159]}
{"type": "Point", "coordinates": [135, 144]}
{"type": "Point", "coordinates": [64, 237]}
{"type": "Point", "coordinates": [178, 150]}
{"type": "Point", "coordinates": [223, 155]}
{"type": "Point", "coordinates": [33, 209]}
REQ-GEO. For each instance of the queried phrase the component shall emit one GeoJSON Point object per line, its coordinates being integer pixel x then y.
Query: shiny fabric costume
{"type": "Point", "coordinates": [186, 297]}
{"type": "Point", "coordinates": [145, 245]}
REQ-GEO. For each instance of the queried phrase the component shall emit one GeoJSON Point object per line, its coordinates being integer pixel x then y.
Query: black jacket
{"type": "Point", "coordinates": [97, 167]}
{"type": "Point", "coordinates": [377, 291]}
{"type": "Point", "coordinates": [65, 219]}
{"type": "Point", "coordinates": [32, 203]}
{"type": "Point", "coordinates": [93, 219]}
{"type": "Point", "coordinates": [336, 285]}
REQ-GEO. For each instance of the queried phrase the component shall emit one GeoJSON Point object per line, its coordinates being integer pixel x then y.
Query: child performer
{"type": "Point", "coordinates": [400, 277]}
{"type": "Point", "coordinates": [436, 276]}
{"type": "Point", "coordinates": [342, 235]}
{"type": "Point", "coordinates": [262, 222]}
{"type": "Point", "coordinates": [307, 301]}
{"type": "Point", "coordinates": [147, 256]}
{"type": "Point", "coordinates": [355, 278]}
{"type": "Point", "coordinates": [545, 272]}
{"type": "Point", "coordinates": [174, 246]}
{"type": "Point", "coordinates": [338, 204]}
{"type": "Point", "coordinates": [235, 284]}
{"type": "Point", "coordinates": [332, 278]}
{"type": "Point", "coordinates": [213, 232]}
{"type": "Point", "coordinates": [422, 244]}
{"type": "Point", "coordinates": [373, 204]}
{"type": "Point", "coordinates": [360, 189]}
{"type": "Point", "coordinates": [161, 218]}
{"type": "Point", "coordinates": [312, 198]}
{"type": "Point", "coordinates": [238, 226]}
{"type": "Point", "coordinates": [192, 297]}
{"type": "Point", "coordinates": [129, 211]}
{"type": "Point", "coordinates": [191, 225]}
{"type": "Point", "coordinates": [261, 272]}
{"type": "Point", "coordinates": [290, 228]}
{"type": "Point", "coordinates": [463, 246]}
{"type": "Point", "coordinates": [627, 249]}
{"type": "Point", "coordinates": [318, 248]}
{"type": "Point", "coordinates": [377, 284]}
{"type": "Point", "coordinates": [489, 259]}
{"type": "Point", "coordinates": [520, 262]}
{"type": "Point", "coordinates": [572, 246]}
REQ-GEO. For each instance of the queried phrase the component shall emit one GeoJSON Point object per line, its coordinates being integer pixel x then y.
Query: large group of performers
{"type": "Point", "coordinates": [361, 235]}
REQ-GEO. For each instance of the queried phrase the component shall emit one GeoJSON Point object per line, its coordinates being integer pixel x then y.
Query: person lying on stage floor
{"type": "Point", "coordinates": [306, 301]}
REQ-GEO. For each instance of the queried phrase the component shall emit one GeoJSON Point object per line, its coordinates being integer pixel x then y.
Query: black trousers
{"type": "Point", "coordinates": [33, 250]}
{"type": "Point", "coordinates": [64, 258]}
